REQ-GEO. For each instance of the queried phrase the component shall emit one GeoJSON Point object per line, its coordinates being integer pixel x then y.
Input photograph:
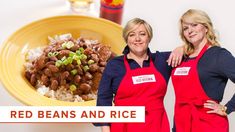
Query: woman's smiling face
{"type": "Point", "coordinates": [138, 39]}
{"type": "Point", "coordinates": [194, 33]}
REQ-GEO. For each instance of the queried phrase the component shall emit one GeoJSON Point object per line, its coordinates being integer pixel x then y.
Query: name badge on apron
{"type": "Point", "coordinates": [143, 79]}
{"type": "Point", "coordinates": [182, 71]}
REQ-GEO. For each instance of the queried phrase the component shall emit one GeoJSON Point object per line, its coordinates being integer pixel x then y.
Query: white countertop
{"type": "Point", "coordinates": [163, 15]}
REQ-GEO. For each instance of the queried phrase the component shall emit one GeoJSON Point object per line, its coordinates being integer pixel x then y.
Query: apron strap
{"type": "Point", "coordinates": [126, 63]}
{"type": "Point", "coordinates": [202, 51]}
{"type": "Point", "coordinates": [151, 62]}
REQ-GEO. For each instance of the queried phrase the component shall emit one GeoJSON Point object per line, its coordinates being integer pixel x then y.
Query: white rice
{"type": "Point", "coordinates": [43, 90]}
{"type": "Point", "coordinates": [92, 96]}
{"type": "Point", "coordinates": [33, 54]}
{"type": "Point", "coordinates": [59, 38]}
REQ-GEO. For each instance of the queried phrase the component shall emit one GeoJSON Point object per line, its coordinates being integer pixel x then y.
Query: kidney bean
{"type": "Point", "coordinates": [53, 68]}
{"type": "Point", "coordinates": [33, 79]}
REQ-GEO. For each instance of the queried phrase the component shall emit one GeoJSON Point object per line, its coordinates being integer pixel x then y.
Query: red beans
{"type": "Point", "coordinates": [47, 72]}
{"type": "Point", "coordinates": [53, 68]}
{"type": "Point", "coordinates": [85, 87]}
{"type": "Point", "coordinates": [44, 80]}
{"type": "Point", "coordinates": [79, 65]}
{"type": "Point", "coordinates": [88, 76]}
{"type": "Point", "coordinates": [54, 84]}
{"type": "Point", "coordinates": [33, 79]}
{"type": "Point", "coordinates": [77, 79]}
{"type": "Point", "coordinates": [93, 67]}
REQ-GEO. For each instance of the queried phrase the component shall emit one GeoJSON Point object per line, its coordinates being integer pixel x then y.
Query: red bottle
{"type": "Point", "coordinates": [112, 10]}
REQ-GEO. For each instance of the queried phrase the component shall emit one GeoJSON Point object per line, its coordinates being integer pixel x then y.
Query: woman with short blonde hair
{"type": "Point", "coordinates": [132, 23]}
{"type": "Point", "coordinates": [137, 78]}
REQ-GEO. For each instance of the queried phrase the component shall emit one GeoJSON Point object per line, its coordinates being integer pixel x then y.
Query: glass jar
{"type": "Point", "coordinates": [112, 10]}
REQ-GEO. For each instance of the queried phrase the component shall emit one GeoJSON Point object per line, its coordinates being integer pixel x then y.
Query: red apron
{"type": "Point", "coordinates": [143, 87]}
{"type": "Point", "coordinates": [190, 114]}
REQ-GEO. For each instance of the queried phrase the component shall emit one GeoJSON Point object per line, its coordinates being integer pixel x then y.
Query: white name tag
{"type": "Point", "coordinates": [182, 71]}
{"type": "Point", "coordinates": [143, 79]}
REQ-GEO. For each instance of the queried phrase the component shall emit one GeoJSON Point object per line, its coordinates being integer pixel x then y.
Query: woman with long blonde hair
{"type": "Point", "coordinates": [200, 80]}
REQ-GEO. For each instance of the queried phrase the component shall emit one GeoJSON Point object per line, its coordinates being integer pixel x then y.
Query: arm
{"type": "Point", "coordinates": [226, 64]}
{"type": "Point", "coordinates": [227, 67]}
{"type": "Point", "coordinates": [105, 94]}
{"type": "Point", "coordinates": [105, 128]}
{"type": "Point", "coordinates": [176, 56]}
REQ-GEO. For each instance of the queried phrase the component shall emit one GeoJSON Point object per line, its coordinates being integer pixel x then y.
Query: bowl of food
{"type": "Point", "coordinates": [59, 61]}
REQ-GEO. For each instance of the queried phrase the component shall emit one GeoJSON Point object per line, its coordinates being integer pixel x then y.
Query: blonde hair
{"type": "Point", "coordinates": [130, 26]}
{"type": "Point", "coordinates": [197, 16]}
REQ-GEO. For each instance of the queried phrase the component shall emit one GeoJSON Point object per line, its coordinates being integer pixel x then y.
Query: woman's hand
{"type": "Point", "coordinates": [105, 128]}
{"type": "Point", "coordinates": [176, 56]}
{"type": "Point", "coordinates": [215, 108]}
